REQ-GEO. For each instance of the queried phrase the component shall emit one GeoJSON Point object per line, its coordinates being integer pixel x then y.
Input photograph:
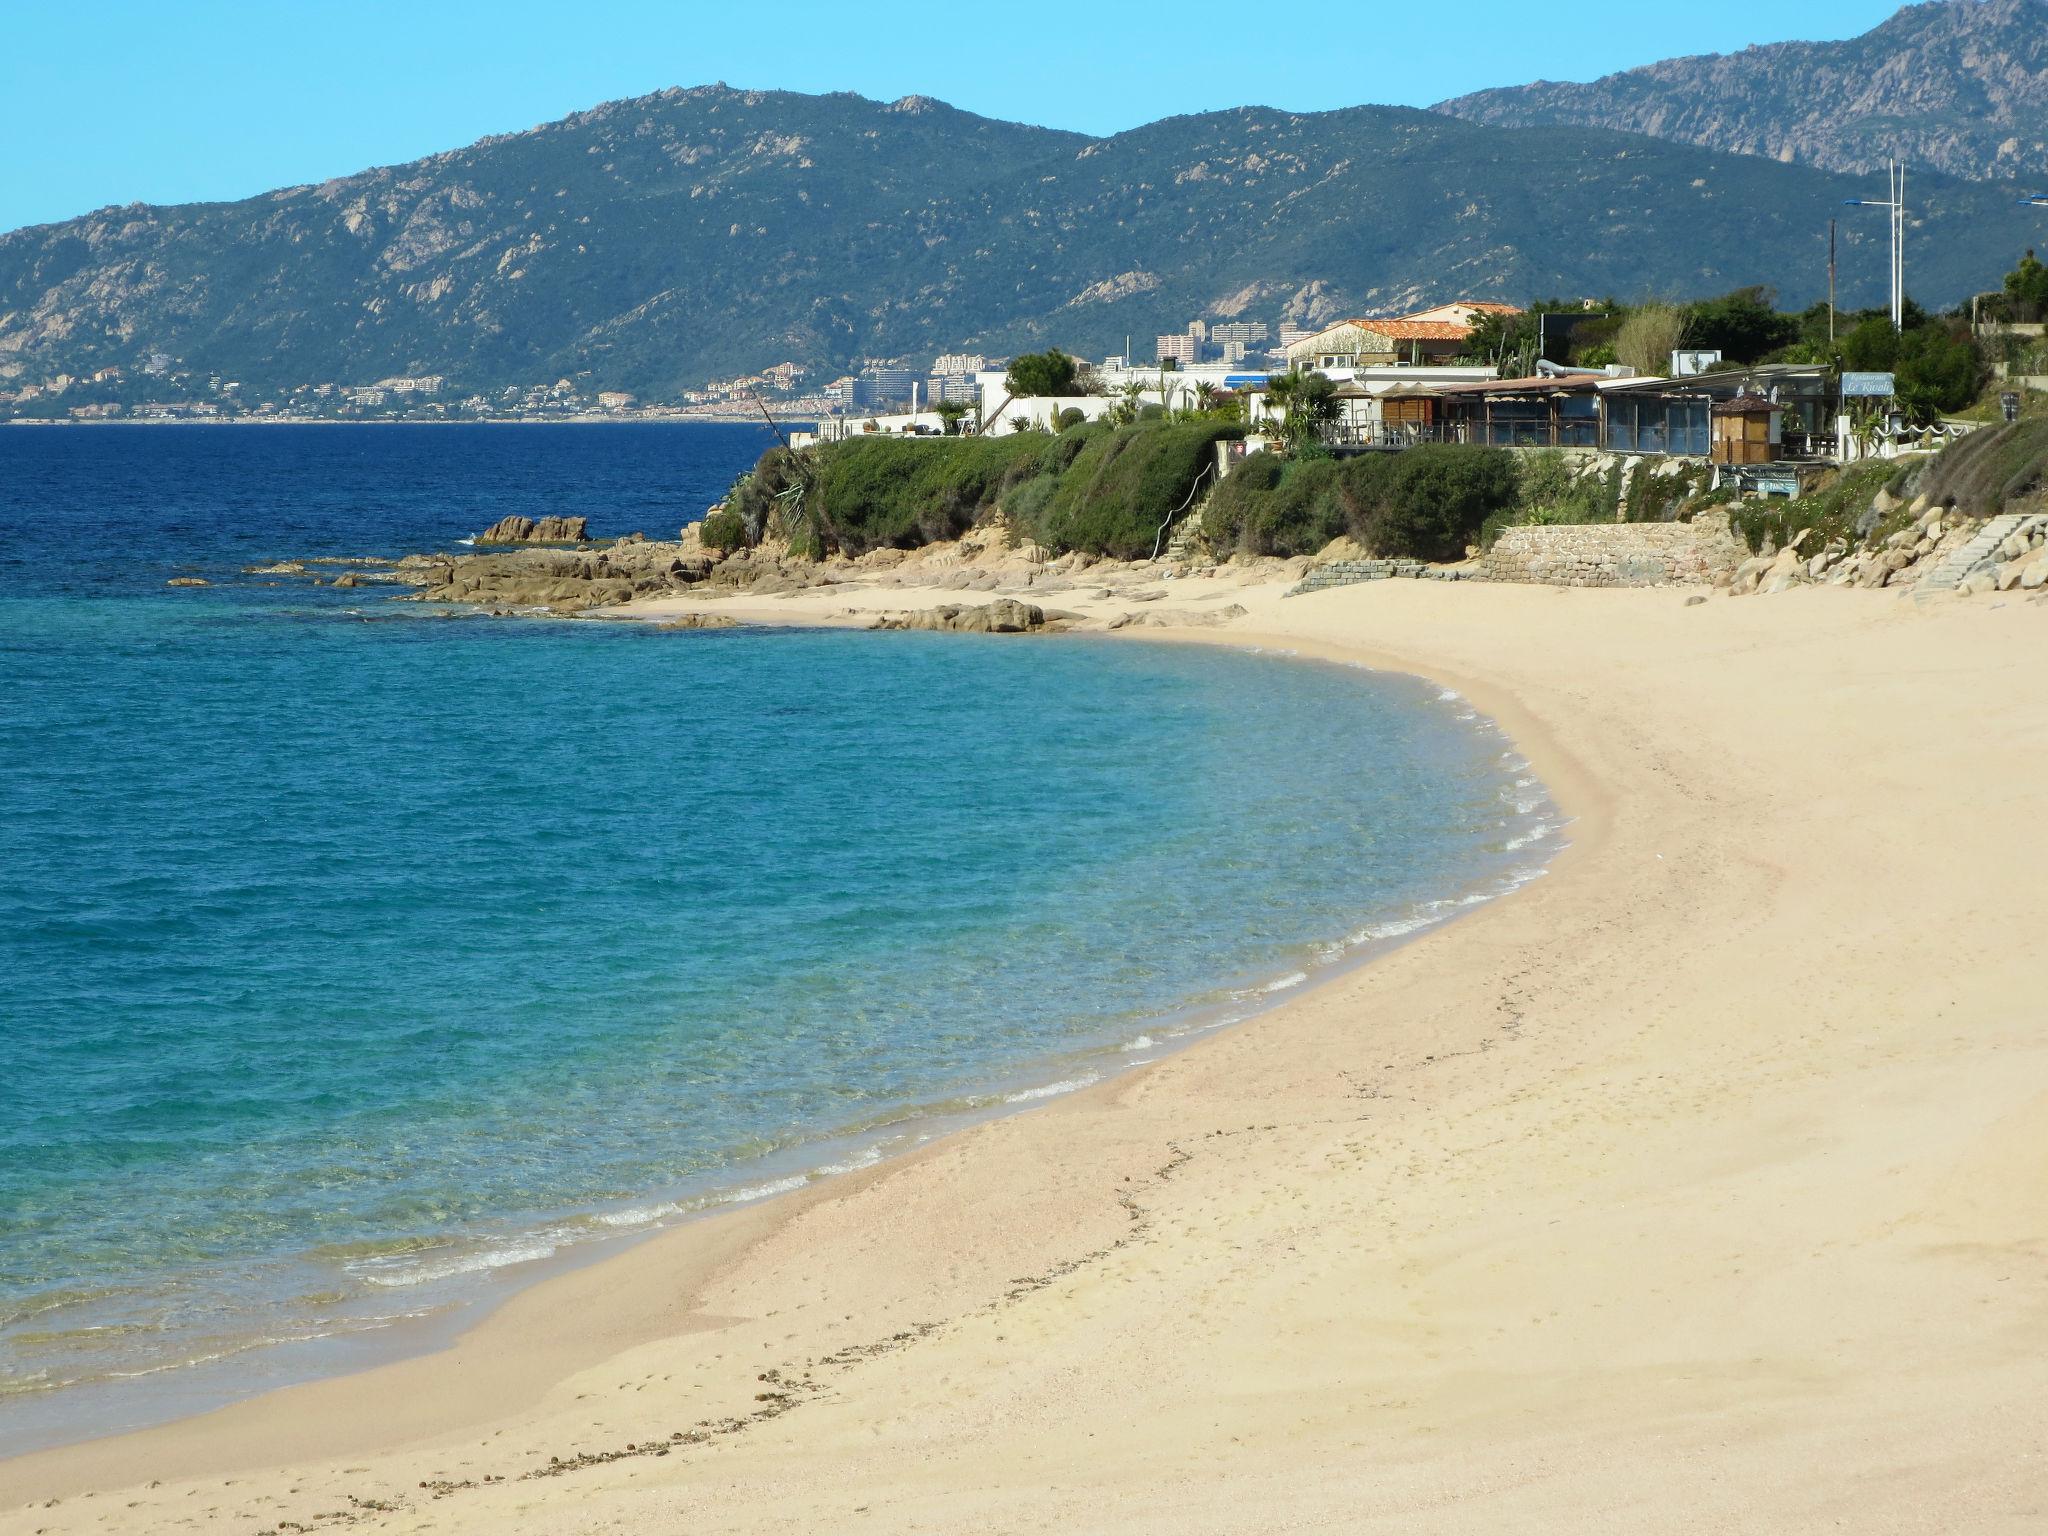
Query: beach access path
{"type": "Point", "coordinates": [1701, 1186]}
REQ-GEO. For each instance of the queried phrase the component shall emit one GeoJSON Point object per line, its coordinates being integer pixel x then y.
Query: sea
{"type": "Point", "coordinates": [360, 961]}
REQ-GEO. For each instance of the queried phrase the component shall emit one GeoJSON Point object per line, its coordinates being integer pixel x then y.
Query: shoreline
{"type": "Point", "coordinates": [1030, 1086]}
{"type": "Point", "coordinates": [1698, 1187]}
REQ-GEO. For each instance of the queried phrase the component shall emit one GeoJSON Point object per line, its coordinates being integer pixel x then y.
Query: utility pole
{"type": "Point", "coordinates": [1831, 282]}
{"type": "Point", "coordinates": [1895, 205]}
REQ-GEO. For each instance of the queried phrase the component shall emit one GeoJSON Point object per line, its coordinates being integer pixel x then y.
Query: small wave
{"type": "Point", "coordinates": [465, 1264]}
{"type": "Point", "coordinates": [755, 1192]}
{"type": "Point", "coordinates": [636, 1216]}
{"type": "Point", "coordinates": [1530, 838]}
{"type": "Point", "coordinates": [1291, 980]}
{"type": "Point", "coordinates": [1050, 1090]}
{"type": "Point", "coordinates": [1141, 1043]}
{"type": "Point", "coordinates": [854, 1164]}
{"type": "Point", "coordinates": [1449, 696]}
{"type": "Point", "coordinates": [468, 543]}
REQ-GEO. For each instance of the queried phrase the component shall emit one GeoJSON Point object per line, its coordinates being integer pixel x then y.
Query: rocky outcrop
{"type": "Point", "coordinates": [546, 530]}
{"type": "Point", "coordinates": [1004, 616]}
{"type": "Point", "coordinates": [1912, 557]}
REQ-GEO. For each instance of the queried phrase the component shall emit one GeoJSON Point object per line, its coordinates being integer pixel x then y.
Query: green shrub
{"type": "Point", "coordinates": [1239, 500]}
{"type": "Point", "coordinates": [1663, 498]}
{"type": "Point", "coordinates": [1273, 506]}
{"type": "Point", "coordinates": [882, 492]}
{"type": "Point", "coordinates": [1123, 483]}
{"type": "Point", "coordinates": [723, 531]}
{"type": "Point", "coordinates": [1990, 467]}
{"type": "Point", "coordinates": [1428, 503]}
{"type": "Point", "coordinates": [1025, 505]}
{"type": "Point", "coordinates": [1072, 417]}
{"type": "Point", "coordinates": [1834, 511]}
{"type": "Point", "coordinates": [753, 499]}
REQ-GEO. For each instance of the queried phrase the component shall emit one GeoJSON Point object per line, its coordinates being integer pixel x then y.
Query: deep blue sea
{"type": "Point", "coordinates": [354, 961]}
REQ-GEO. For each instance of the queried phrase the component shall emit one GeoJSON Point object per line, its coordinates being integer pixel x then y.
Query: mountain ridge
{"type": "Point", "coordinates": [1955, 86]}
{"type": "Point", "coordinates": [662, 240]}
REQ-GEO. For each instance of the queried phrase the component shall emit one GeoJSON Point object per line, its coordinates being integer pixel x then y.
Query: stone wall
{"type": "Point", "coordinates": [1702, 552]}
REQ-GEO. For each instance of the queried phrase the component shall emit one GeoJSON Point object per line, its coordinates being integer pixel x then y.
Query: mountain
{"type": "Point", "coordinates": [1955, 86]}
{"type": "Point", "coordinates": [658, 242]}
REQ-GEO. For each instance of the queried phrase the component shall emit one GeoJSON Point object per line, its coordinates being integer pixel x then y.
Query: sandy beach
{"type": "Point", "coordinates": [1699, 1186]}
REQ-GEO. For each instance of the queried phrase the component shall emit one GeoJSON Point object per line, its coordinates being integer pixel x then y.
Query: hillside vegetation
{"type": "Point", "coordinates": [649, 245]}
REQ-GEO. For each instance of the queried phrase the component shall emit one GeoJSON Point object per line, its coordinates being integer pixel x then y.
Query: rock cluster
{"type": "Point", "coordinates": [525, 530]}
{"type": "Point", "coordinates": [558, 581]}
{"type": "Point", "coordinates": [1004, 616]}
{"type": "Point", "coordinates": [2022, 561]}
{"type": "Point", "coordinates": [1903, 557]}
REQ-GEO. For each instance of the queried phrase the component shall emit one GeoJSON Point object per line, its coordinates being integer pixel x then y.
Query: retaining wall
{"type": "Point", "coordinates": [1698, 553]}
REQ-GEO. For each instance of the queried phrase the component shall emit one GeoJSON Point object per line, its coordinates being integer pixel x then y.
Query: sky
{"type": "Point", "coordinates": [117, 101]}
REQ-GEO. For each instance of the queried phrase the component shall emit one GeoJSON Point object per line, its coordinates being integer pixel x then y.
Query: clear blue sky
{"type": "Point", "coordinates": [163, 101]}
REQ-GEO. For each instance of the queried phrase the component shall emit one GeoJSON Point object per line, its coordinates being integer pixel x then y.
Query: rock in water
{"type": "Point", "coordinates": [524, 530]}
{"type": "Point", "coordinates": [188, 581]}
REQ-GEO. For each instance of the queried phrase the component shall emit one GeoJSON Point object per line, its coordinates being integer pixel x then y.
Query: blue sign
{"type": "Point", "coordinates": [1240, 380]}
{"type": "Point", "coordinates": [1868, 386]}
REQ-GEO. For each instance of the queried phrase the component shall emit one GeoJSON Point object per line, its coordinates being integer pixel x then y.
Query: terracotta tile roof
{"type": "Point", "coordinates": [1416, 330]}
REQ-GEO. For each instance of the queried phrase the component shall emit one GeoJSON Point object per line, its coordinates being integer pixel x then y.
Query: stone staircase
{"type": "Point", "coordinates": [1978, 553]}
{"type": "Point", "coordinates": [1182, 541]}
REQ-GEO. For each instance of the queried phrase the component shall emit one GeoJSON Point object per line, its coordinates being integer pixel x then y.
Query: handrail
{"type": "Point", "coordinates": [1159, 538]}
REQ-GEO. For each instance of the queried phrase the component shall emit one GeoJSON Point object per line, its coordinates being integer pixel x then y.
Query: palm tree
{"type": "Point", "coordinates": [1308, 403]}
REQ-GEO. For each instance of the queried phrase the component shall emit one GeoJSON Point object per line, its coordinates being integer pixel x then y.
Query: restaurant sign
{"type": "Point", "coordinates": [1868, 386]}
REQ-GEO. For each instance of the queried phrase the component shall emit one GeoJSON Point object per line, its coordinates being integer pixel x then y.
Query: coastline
{"type": "Point", "coordinates": [945, 1306]}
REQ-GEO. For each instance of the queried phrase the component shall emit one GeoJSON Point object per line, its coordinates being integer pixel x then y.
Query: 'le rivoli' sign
{"type": "Point", "coordinates": [1868, 386]}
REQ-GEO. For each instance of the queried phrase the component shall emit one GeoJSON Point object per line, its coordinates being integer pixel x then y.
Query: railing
{"type": "Point", "coordinates": [1387, 434]}
{"type": "Point", "coordinates": [1159, 538]}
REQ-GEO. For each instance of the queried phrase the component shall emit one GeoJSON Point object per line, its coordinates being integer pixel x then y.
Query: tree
{"type": "Point", "coordinates": [1742, 326]}
{"type": "Point", "coordinates": [2026, 290]}
{"type": "Point", "coordinates": [1934, 364]}
{"type": "Point", "coordinates": [1648, 337]}
{"type": "Point", "coordinates": [949, 413]}
{"type": "Point", "coordinates": [1038, 374]}
{"type": "Point", "coordinates": [1308, 402]}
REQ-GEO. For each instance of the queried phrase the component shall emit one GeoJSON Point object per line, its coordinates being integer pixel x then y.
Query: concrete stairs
{"type": "Point", "coordinates": [1979, 553]}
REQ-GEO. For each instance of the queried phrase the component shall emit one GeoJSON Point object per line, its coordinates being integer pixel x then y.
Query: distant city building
{"type": "Point", "coordinates": [883, 386]}
{"type": "Point", "coordinates": [949, 363]}
{"type": "Point", "coordinates": [949, 387]}
{"type": "Point", "coordinates": [1245, 332]}
{"type": "Point", "coordinates": [1290, 334]}
{"type": "Point", "coordinates": [1231, 351]}
{"type": "Point", "coordinates": [426, 384]}
{"type": "Point", "coordinates": [613, 399]}
{"type": "Point", "coordinates": [1183, 349]}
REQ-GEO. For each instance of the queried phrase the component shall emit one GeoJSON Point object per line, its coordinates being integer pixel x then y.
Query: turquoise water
{"type": "Point", "coordinates": [353, 960]}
